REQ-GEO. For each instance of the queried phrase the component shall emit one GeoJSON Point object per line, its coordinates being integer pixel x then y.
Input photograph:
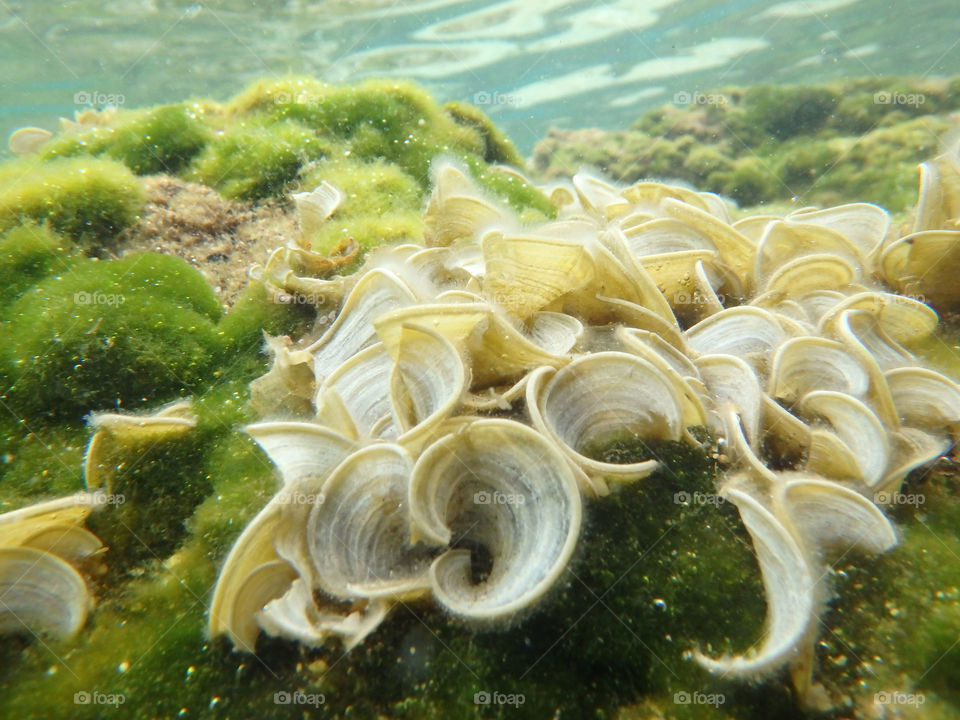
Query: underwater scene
{"type": "Point", "coordinates": [434, 359]}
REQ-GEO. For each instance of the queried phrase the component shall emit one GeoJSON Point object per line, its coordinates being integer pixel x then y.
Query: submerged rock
{"type": "Point", "coordinates": [662, 570]}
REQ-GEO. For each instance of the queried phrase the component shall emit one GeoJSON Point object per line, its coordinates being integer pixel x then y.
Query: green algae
{"type": "Point", "coordinates": [27, 254]}
{"type": "Point", "coordinates": [87, 199]}
{"type": "Point", "coordinates": [241, 330]}
{"type": "Point", "coordinates": [39, 461]}
{"type": "Point", "coordinates": [855, 140]}
{"type": "Point", "coordinates": [101, 336]}
{"type": "Point", "coordinates": [161, 139]}
{"type": "Point", "coordinates": [250, 160]}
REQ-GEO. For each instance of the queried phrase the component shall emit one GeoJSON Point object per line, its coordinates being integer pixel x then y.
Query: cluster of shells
{"type": "Point", "coordinates": [454, 407]}
{"type": "Point", "coordinates": [439, 437]}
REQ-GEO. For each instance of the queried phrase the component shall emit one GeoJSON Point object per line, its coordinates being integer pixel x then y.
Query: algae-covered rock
{"type": "Point", "coordinates": [254, 160]}
{"type": "Point", "coordinates": [88, 199]}
{"type": "Point", "coordinates": [663, 566]}
{"type": "Point", "coordinates": [850, 140]}
{"type": "Point", "coordinates": [163, 139]}
{"type": "Point", "coordinates": [28, 253]}
{"type": "Point", "coordinates": [131, 331]}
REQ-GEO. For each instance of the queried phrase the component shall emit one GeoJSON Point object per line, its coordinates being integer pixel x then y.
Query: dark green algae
{"type": "Point", "coordinates": [653, 577]}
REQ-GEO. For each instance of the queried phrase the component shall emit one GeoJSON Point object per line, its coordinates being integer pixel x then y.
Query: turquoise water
{"type": "Point", "coordinates": [530, 66]}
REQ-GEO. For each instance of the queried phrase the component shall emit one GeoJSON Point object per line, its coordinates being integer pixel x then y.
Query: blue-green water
{"type": "Point", "coordinates": [530, 66]}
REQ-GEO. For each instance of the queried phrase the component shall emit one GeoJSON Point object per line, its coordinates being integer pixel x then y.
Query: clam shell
{"type": "Point", "coordinates": [457, 210]}
{"type": "Point", "coordinates": [427, 381]}
{"type": "Point", "coordinates": [314, 208]}
{"type": "Point", "coordinates": [28, 140]}
{"type": "Point", "coordinates": [301, 451]}
{"type": "Point", "coordinates": [863, 224]}
{"type": "Point", "coordinates": [857, 427]}
{"type": "Point", "coordinates": [525, 273]}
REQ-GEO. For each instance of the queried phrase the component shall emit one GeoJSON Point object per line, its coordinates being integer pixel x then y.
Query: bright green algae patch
{"type": "Point", "coordinates": [374, 141]}
{"type": "Point", "coordinates": [164, 139]}
{"type": "Point", "coordinates": [851, 140]}
{"type": "Point", "coordinates": [102, 333]}
{"type": "Point", "coordinates": [83, 198]}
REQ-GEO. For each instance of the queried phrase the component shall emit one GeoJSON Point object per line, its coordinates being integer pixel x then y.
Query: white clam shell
{"type": "Point", "coordinates": [300, 450]}
{"type": "Point", "coordinates": [857, 427]}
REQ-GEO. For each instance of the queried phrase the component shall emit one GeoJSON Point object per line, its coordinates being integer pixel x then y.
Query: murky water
{"type": "Point", "coordinates": [529, 65]}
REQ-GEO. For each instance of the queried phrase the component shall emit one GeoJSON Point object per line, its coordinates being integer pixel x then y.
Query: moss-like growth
{"type": "Point", "coordinates": [750, 181]}
{"type": "Point", "coordinates": [531, 204]}
{"type": "Point", "coordinates": [253, 160]}
{"type": "Point", "coordinates": [241, 330]}
{"type": "Point", "coordinates": [498, 149]}
{"type": "Point", "coordinates": [88, 199]}
{"type": "Point", "coordinates": [162, 139]}
{"type": "Point", "coordinates": [135, 331]}
{"type": "Point", "coordinates": [391, 121]}
{"type": "Point", "coordinates": [851, 140]}
{"type": "Point", "coordinates": [783, 112]}
{"type": "Point", "coordinates": [28, 253]}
